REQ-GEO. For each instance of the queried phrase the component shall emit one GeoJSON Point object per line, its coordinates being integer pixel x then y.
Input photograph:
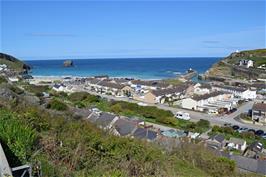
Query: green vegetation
{"type": "Point", "coordinates": [2, 80]}
{"type": "Point", "coordinates": [57, 105]}
{"type": "Point", "coordinates": [148, 113]}
{"type": "Point", "coordinates": [221, 69]}
{"type": "Point", "coordinates": [69, 147]}
{"type": "Point", "coordinates": [175, 81]}
{"type": "Point", "coordinates": [17, 134]}
{"type": "Point", "coordinates": [36, 89]}
{"type": "Point", "coordinates": [12, 62]}
{"type": "Point", "coordinates": [228, 132]}
{"type": "Point", "coordinates": [76, 148]}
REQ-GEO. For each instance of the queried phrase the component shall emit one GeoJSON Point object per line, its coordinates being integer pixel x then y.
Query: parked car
{"type": "Point", "coordinates": [243, 129]}
{"type": "Point", "coordinates": [182, 115]}
{"type": "Point", "coordinates": [252, 130]}
{"type": "Point", "coordinates": [264, 136]}
{"type": "Point", "coordinates": [227, 124]}
{"type": "Point", "coordinates": [235, 127]}
{"type": "Point", "coordinates": [259, 132]}
{"type": "Point", "coordinates": [233, 110]}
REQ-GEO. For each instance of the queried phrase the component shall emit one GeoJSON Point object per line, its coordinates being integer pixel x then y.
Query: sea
{"type": "Point", "coordinates": [139, 68]}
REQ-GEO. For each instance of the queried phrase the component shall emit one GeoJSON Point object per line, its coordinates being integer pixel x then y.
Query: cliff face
{"type": "Point", "coordinates": [13, 63]}
{"type": "Point", "coordinates": [229, 67]}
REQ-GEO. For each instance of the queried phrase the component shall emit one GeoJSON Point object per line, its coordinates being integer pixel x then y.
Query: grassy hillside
{"type": "Point", "coordinates": [64, 146]}
{"type": "Point", "coordinates": [223, 68]}
{"type": "Point", "coordinates": [13, 63]}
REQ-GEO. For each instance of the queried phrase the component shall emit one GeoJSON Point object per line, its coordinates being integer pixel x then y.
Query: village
{"type": "Point", "coordinates": [231, 110]}
{"type": "Point", "coordinates": [213, 101]}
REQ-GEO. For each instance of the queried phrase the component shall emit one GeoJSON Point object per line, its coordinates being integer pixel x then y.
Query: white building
{"type": "Point", "coordinates": [236, 143]}
{"type": "Point", "coordinates": [246, 63]}
{"type": "Point", "coordinates": [211, 102]}
{"type": "Point", "coordinates": [240, 92]}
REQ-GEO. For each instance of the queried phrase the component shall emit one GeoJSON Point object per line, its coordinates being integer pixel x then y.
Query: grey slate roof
{"type": "Point", "coordinates": [238, 89]}
{"type": "Point", "coordinates": [110, 85]}
{"type": "Point", "coordinates": [105, 119]}
{"type": "Point", "coordinates": [124, 127]}
{"type": "Point", "coordinates": [220, 138]}
{"type": "Point", "coordinates": [249, 164]}
{"type": "Point", "coordinates": [150, 83]}
{"type": "Point", "coordinates": [206, 96]}
{"type": "Point", "coordinates": [177, 89]}
{"type": "Point", "coordinates": [144, 133]}
{"type": "Point", "coordinates": [236, 141]}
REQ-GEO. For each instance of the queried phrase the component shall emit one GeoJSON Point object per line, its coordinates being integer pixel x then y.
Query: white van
{"type": "Point", "coordinates": [182, 115]}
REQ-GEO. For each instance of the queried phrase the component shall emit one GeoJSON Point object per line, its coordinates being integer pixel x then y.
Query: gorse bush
{"type": "Point", "coordinates": [57, 105]}
{"type": "Point", "coordinates": [16, 134]}
{"type": "Point", "coordinates": [2, 80]}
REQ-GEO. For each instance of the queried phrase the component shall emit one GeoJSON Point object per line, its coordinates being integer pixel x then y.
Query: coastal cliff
{"type": "Point", "coordinates": [230, 67]}
{"type": "Point", "coordinates": [13, 63]}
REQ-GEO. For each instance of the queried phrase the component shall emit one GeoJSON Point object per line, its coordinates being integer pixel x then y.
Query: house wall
{"type": "Point", "coordinates": [189, 103]}
{"type": "Point", "coordinates": [150, 98]}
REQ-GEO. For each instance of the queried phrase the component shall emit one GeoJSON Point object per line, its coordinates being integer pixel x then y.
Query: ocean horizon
{"type": "Point", "coordinates": [139, 68]}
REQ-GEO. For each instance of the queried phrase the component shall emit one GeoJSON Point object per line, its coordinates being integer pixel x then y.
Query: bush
{"type": "Point", "coordinates": [16, 89]}
{"type": "Point", "coordinates": [117, 108]}
{"type": "Point", "coordinates": [167, 120]}
{"type": "Point", "coordinates": [2, 80]}
{"type": "Point", "coordinates": [57, 105]}
{"type": "Point", "coordinates": [18, 135]}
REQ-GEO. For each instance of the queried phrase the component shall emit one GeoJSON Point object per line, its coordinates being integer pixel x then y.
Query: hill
{"type": "Point", "coordinates": [228, 66]}
{"type": "Point", "coordinates": [13, 63]}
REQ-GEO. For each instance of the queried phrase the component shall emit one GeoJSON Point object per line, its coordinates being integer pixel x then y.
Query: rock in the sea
{"type": "Point", "coordinates": [68, 63]}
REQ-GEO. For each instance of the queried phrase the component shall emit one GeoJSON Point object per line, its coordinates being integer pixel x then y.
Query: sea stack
{"type": "Point", "coordinates": [68, 63]}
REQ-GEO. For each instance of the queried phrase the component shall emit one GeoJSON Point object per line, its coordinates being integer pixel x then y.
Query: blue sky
{"type": "Point", "coordinates": [110, 29]}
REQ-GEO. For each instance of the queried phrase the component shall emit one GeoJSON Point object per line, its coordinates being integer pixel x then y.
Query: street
{"type": "Point", "coordinates": [196, 116]}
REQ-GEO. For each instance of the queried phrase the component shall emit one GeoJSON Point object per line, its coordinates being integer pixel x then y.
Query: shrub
{"type": "Point", "coordinates": [18, 135]}
{"type": "Point", "coordinates": [2, 80]}
{"type": "Point", "coordinates": [167, 120]}
{"type": "Point", "coordinates": [57, 105]}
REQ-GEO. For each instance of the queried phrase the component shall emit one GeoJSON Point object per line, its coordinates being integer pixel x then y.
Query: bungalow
{"type": "Point", "coordinates": [153, 85]}
{"type": "Point", "coordinates": [104, 120]}
{"type": "Point", "coordinates": [240, 92]}
{"type": "Point", "coordinates": [259, 112]}
{"type": "Point", "coordinates": [162, 95]}
{"type": "Point", "coordinates": [212, 101]}
{"type": "Point", "coordinates": [109, 88]}
{"type": "Point", "coordinates": [145, 133]}
{"type": "Point", "coordinates": [236, 143]}
{"type": "Point", "coordinates": [216, 142]}
{"type": "Point", "coordinates": [173, 133]}
{"type": "Point", "coordinates": [59, 87]}
{"type": "Point", "coordinates": [124, 127]}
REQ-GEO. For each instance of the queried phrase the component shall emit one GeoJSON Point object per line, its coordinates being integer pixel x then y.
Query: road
{"type": "Point", "coordinates": [196, 116]}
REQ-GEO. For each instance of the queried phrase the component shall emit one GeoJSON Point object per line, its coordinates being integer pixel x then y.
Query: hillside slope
{"type": "Point", "coordinates": [13, 63]}
{"type": "Point", "coordinates": [228, 66]}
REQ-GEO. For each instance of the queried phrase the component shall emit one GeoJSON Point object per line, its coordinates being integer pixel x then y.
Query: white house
{"type": "Point", "coordinates": [59, 87]}
{"type": "Point", "coordinates": [246, 63]}
{"type": "Point", "coordinates": [211, 102]}
{"type": "Point", "coordinates": [240, 92]}
{"type": "Point", "coordinates": [201, 89]}
{"type": "Point", "coordinates": [236, 143]}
